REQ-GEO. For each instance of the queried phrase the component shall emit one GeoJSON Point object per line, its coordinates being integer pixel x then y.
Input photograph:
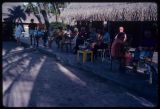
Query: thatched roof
{"type": "Point", "coordinates": [110, 12]}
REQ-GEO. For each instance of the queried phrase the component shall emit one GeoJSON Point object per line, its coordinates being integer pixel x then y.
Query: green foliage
{"type": "Point", "coordinates": [56, 25]}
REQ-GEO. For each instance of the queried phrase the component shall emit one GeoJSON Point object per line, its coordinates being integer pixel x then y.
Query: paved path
{"type": "Point", "coordinates": [102, 69]}
{"type": "Point", "coordinates": [39, 80]}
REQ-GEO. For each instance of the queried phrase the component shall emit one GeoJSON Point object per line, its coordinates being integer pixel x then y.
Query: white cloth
{"type": "Point", "coordinates": [18, 31]}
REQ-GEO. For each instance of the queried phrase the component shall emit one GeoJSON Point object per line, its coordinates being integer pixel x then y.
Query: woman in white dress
{"type": "Point", "coordinates": [18, 32]}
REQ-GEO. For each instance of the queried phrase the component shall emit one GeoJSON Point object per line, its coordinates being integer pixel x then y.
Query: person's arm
{"type": "Point", "coordinates": [109, 38]}
{"type": "Point", "coordinates": [125, 38]}
{"type": "Point", "coordinates": [116, 36]}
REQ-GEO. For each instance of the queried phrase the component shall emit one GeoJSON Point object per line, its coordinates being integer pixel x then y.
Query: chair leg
{"type": "Point", "coordinates": [84, 57]}
{"type": "Point", "coordinates": [111, 63]}
{"type": "Point", "coordinates": [77, 56]}
{"type": "Point", "coordinates": [92, 57]}
{"type": "Point", "coordinates": [103, 55]}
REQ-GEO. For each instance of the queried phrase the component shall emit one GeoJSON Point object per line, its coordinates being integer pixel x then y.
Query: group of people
{"type": "Point", "coordinates": [35, 33]}
{"type": "Point", "coordinates": [93, 40]}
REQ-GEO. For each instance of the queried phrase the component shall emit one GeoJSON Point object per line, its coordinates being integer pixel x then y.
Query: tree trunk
{"type": "Point", "coordinates": [45, 18]}
{"type": "Point", "coordinates": [44, 14]}
{"type": "Point", "coordinates": [21, 23]}
{"type": "Point", "coordinates": [37, 16]}
{"type": "Point", "coordinates": [56, 18]}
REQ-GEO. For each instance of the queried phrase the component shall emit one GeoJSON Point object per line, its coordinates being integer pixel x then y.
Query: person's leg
{"type": "Point", "coordinates": [37, 41]}
{"type": "Point", "coordinates": [95, 51]}
{"type": "Point", "coordinates": [34, 40]}
{"type": "Point", "coordinates": [121, 64]}
{"type": "Point", "coordinates": [76, 48]}
{"type": "Point", "coordinates": [31, 39]}
{"type": "Point", "coordinates": [50, 43]}
{"type": "Point", "coordinates": [58, 43]}
{"type": "Point", "coordinates": [19, 42]}
{"type": "Point", "coordinates": [45, 41]}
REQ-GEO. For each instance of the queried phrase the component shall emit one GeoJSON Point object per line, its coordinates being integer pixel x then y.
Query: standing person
{"type": "Point", "coordinates": [117, 49]}
{"type": "Point", "coordinates": [51, 37]}
{"type": "Point", "coordinates": [45, 36]}
{"type": "Point", "coordinates": [38, 34]}
{"type": "Point", "coordinates": [74, 40]}
{"type": "Point", "coordinates": [18, 32]}
{"type": "Point", "coordinates": [121, 30]}
{"type": "Point", "coordinates": [59, 38]}
{"type": "Point", "coordinates": [32, 27]}
{"type": "Point", "coordinates": [98, 44]}
{"type": "Point", "coordinates": [68, 31]}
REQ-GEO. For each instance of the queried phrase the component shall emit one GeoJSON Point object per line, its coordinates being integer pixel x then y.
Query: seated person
{"type": "Point", "coordinates": [142, 53]}
{"type": "Point", "coordinates": [106, 39]}
{"type": "Point", "coordinates": [147, 53]}
{"type": "Point", "coordinates": [148, 43]}
{"type": "Point", "coordinates": [98, 44]}
{"type": "Point", "coordinates": [92, 34]}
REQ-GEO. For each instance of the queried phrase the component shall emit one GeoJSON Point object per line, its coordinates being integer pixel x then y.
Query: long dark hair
{"type": "Point", "coordinates": [121, 35]}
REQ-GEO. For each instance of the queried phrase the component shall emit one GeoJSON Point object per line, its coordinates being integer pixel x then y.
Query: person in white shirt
{"type": "Point", "coordinates": [18, 32]}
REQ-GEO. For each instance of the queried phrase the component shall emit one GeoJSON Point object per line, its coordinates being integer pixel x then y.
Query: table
{"type": "Point", "coordinates": [85, 52]}
{"type": "Point", "coordinates": [82, 47]}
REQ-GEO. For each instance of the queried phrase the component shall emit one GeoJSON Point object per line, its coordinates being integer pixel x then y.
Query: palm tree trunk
{"type": "Point", "coordinates": [56, 18]}
{"type": "Point", "coordinates": [37, 16]}
{"type": "Point", "coordinates": [21, 23]}
{"type": "Point", "coordinates": [44, 14]}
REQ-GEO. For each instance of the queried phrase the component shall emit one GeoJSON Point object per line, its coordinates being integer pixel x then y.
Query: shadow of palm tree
{"type": "Point", "coordinates": [27, 74]}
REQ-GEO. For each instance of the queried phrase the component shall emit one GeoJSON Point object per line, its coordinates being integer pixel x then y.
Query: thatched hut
{"type": "Point", "coordinates": [135, 17]}
{"type": "Point", "coordinates": [111, 12]}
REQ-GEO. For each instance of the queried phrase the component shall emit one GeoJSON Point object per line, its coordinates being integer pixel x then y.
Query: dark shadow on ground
{"type": "Point", "coordinates": [23, 75]}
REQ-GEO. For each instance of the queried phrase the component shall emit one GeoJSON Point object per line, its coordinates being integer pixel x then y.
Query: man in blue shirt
{"type": "Point", "coordinates": [32, 26]}
{"type": "Point", "coordinates": [106, 39]}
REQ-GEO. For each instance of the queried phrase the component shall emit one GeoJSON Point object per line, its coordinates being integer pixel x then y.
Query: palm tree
{"type": "Point", "coordinates": [56, 8]}
{"type": "Point", "coordinates": [44, 9]}
{"type": "Point", "coordinates": [30, 7]}
{"type": "Point", "coordinates": [44, 13]}
{"type": "Point", "coordinates": [16, 13]}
